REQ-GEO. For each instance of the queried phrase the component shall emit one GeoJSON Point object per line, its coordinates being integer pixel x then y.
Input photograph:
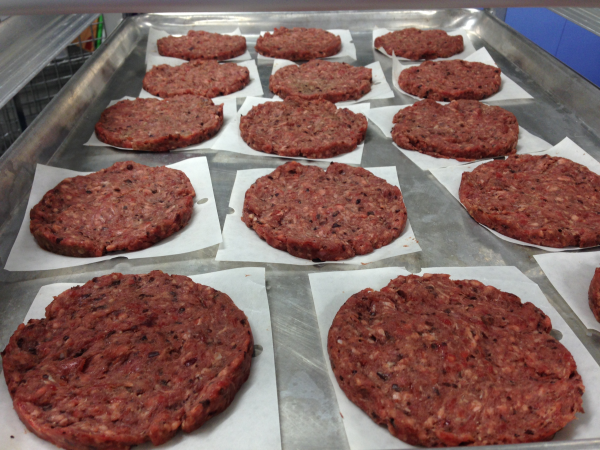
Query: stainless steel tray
{"type": "Point", "coordinates": [565, 105]}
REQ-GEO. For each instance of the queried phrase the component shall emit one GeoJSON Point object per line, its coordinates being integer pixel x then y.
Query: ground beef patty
{"type": "Point", "coordinates": [298, 44]}
{"type": "Point", "coordinates": [324, 215]}
{"type": "Point", "coordinates": [202, 45]}
{"type": "Point", "coordinates": [537, 199]}
{"type": "Point", "coordinates": [126, 359]}
{"type": "Point", "coordinates": [464, 129]}
{"type": "Point", "coordinates": [416, 44]}
{"type": "Point", "coordinates": [325, 80]}
{"type": "Point", "coordinates": [446, 363]}
{"type": "Point", "coordinates": [160, 125]}
{"type": "Point", "coordinates": [450, 80]}
{"type": "Point", "coordinates": [594, 295]}
{"type": "Point", "coordinates": [127, 206]}
{"type": "Point", "coordinates": [297, 127]}
{"type": "Point", "coordinates": [204, 78]}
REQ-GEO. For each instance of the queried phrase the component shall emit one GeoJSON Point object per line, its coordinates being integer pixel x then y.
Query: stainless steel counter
{"type": "Point", "coordinates": [564, 105]}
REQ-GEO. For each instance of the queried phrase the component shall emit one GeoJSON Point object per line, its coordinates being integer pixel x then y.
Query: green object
{"type": "Point", "coordinates": [99, 30]}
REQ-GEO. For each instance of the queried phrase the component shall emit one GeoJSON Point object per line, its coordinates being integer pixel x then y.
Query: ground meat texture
{"type": "Point", "coordinates": [541, 200]}
{"type": "Point", "coordinates": [126, 359]}
{"type": "Point", "coordinates": [450, 80]}
{"type": "Point", "coordinates": [202, 45]}
{"type": "Point", "coordinates": [160, 125]}
{"type": "Point", "coordinates": [325, 80]}
{"type": "Point", "coordinates": [594, 295]}
{"type": "Point", "coordinates": [324, 215]}
{"type": "Point", "coordinates": [464, 130]}
{"type": "Point", "coordinates": [127, 206]}
{"type": "Point", "coordinates": [204, 78]}
{"type": "Point", "coordinates": [297, 127]}
{"type": "Point", "coordinates": [298, 44]}
{"type": "Point", "coordinates": [414, 44]}
{"type": "Point", "coordinates": [445, 363]}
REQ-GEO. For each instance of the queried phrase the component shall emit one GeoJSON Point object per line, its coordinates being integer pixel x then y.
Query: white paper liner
{"type": "Point", "coordinates": [251, 421]}
{"type": "Point", "coordinates": [229, 109]}
{"type": "Point", "coordinates": [379, 86]}
{"type": "Point", "coordinates": [241, 243]}
{"type": "Point", "coordinates": [571, 275]}
{"type": "Point", "coordinates": [469, 49]}
{"type": "Point", "coordinates": [450, 177]}
{"type": "Point", "coordinates": [509, 90]}
{"type": "Point", "coordinates": [154, 34]}
{"type": "Point", "coordinates": [348, 47]}
{"type": "Point", "coordinates": [203, 229]}
{"type": "Point", "coordinates": [384, 119]}
{"type": "Point", "coordinates": [253, 89]}
{"type": "Point", "coordinates": [231, 138]}
{"type": "Point", "coordinates": [330, 290]}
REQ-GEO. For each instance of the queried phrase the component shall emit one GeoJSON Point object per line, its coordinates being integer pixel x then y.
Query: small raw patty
{"type": "Point", "coordinates": [537, 199]}
{"type": "Point", "coordinates": [450, 80]}
{"type": "Point", "coordinates": [594, 295]}
{"type": "Point", "coordinates": [298, 44]}
{"type": "Point", "coordinates": [464, 130]}
{"type": "Point", "coordinates": [297, 127]}
{"type": "Point", "coordinates": [204, 78]}
{"type": "Point", "coordinates": [445, 363]}
{"type": "Point", "coordinates": [324, 215]}
{"type": "Point", "coordinates": [325, 80]}
{"type": "Point", "coordinates": [127, 206]}
{"type": "Point", "coordinates": [160, 125]}
{"type": "Point", "coordinates": [416, 44]}
{"type": "Point", "coordinates": [202, 45]}
{"type": "Point", "coordinates": [126, 359]}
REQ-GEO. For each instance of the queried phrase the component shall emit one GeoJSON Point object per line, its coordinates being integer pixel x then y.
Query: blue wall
{"type": "Point", "coordinates": [573, 45]}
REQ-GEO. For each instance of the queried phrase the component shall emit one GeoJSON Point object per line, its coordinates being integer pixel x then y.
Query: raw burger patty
{"type": "Point", "coordinates": [204, 78]}
{"type": "Point", "coordinates": [537, 199]}
{"type": "Point", "coordinates": [450, 80]}
{"type": "Point", "coordinates": [127, 206]}
{"type": "Point", "coordinates": [325, 80]}
{"type": "Point", "coordinates": [202, 45]}
{"type": "Point", "coordinates": [126, 359]}
{"type": "Point", "coordinates": [297, 127]}
{"type": "Point", "coordinates": [160, 125]}
{"type": "Point", "coordinates": [446, 363]}
{"type": "Point", "coordinates": [324, 215]}
{"type": "Point", "coordinates": [464, 129]}
{"type": "Point", "coordinates": [298, 44]}
{"type": "Point", "coordinates": [594, 295]}
{"type": "Point", "coordinates": [416, 44]}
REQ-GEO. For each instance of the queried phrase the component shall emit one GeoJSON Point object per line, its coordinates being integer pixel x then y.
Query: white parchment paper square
{"type": "Point", "coordinates": [250, 422]}
{"type": "Point", "coordinates": [231, 138]}
{"type": "Point", "coordinates": [241, 243]}
{"type": "Point", "coordinates": [348, 47]}
{"type": "Point", "coordinates": [379, 86]}
{"type": "Point", "coordinates": [571, 275]}
{"type": "Point", "coordinates": [509, 90]}
{"type": "Point", "coordinates": [252, 89]}
{"type": "Point", "coordinates": [154, 34]}
{"type": "Point", "coordinates": [469, 49]}
{"type": "Point", "coordinates": [450, 177]}
{"type": "Point", "coordinates": [330, 290]}
{"type": "Point", "coordinates": [203, 229]}
{"type": "Point", "coordinates": [229, 108]}
{"type": "Point", "coordinates": [384, 119]}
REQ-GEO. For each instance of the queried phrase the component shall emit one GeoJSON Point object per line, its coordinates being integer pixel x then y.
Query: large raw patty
{"type": "Point", "coordinates": [537, 199]}
{"type": "Point", "coordinates": [324, 215]}
{"type": "Point", "coordinates": [416, 44]}
{"type": "Point", "coordinates": [445, 363]}
{"type": "Point", "coordinates": [127, 206]}
{"type": "Point", "coordinates": [202, 45]}
{"type": "Point", "coordinates": [126, 359]}
{"type": "Point", "coordinates": [298, 44]}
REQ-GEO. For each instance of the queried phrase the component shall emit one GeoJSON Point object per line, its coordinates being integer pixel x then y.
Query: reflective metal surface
{"type": "Point", "coordinates": [588, 18]}
{"type": "Point", "coordinates": [449, 237]}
